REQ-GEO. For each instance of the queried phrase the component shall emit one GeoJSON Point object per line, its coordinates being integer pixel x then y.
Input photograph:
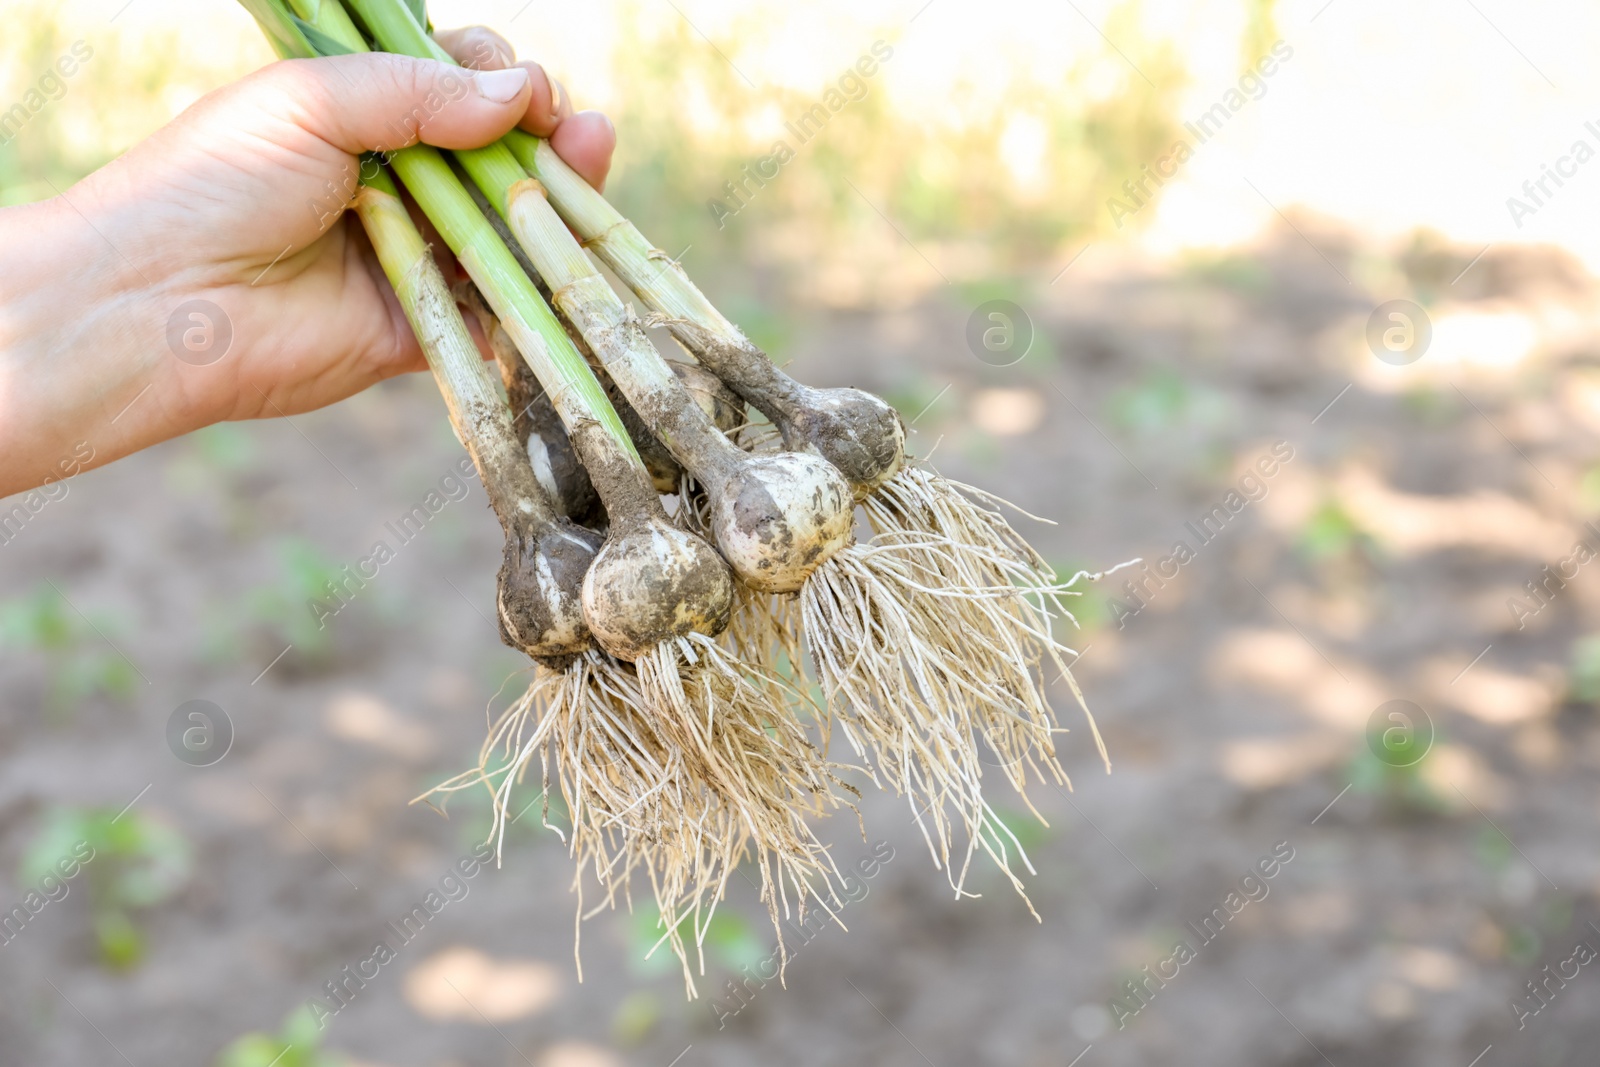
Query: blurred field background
{"type": "Point", "coordinates": [1168, 355]}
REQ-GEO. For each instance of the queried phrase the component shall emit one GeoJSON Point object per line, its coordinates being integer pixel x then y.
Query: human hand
{"type": "Point", "coordinates": [239, 202]}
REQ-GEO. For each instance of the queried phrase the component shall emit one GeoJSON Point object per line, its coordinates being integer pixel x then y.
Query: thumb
{"type": "Point", "coordinates": [378, 102]}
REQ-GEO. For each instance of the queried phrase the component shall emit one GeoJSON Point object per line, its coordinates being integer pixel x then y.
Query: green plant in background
{"type": "Point", "coordinates": [226, 446]}
{"type": "Point", "coordinates": [78, 659]}
{"type": "Point", "coordinates": [120, 91]}
{"type": "Point", "coordinates": [1584, 675]}
{"type": "Point", "coordinates": [763, 322]}
{"type": "Point", "coordinates": [1555, 914]}
{"type": "Point", "coordinates": [1043, 357]}
{"type": "Point", "coordinates": [1589, 490]}
{"type": "Point", "coordinates": [1400, 785]}
{"type": "Point", "coordinates": [1039, 356]}
{"type": "Point", "coordinates": [730, 941]}
{"type": "Point", "coordinates": [137, 863]}
{"type": "Point", "coordinates": [1492, 849]}
{"type": "Point", "coordinates": [1159, 400]}
{"type": "Point", "coordinates": [913, 394]}
{"type": "Point", "coordinates": [297, 1044]}
{"type": "Point", "coordinates": [1431, 406]}
{"type": "Point", "coordinates": [1524, 936]}
{"type": "Point", "coordinates": [305, 574]}
{"type": "Point", "coordinates": [471, 810]}
{"type": "Point", "coordinates": [1260, 33]}
{"type": "Point", "coordinates": [980, 449]}
{"type": "Point", "coordinates": [1088, 142]}
{"type": "Point", "coordinates": [1189, 424]}
{"type": "Point", "coordinates": [1090, 611]}
{"type": "Point", "coordinates": [1333, 533]}
{"type": "Point", "coordinates": [1522, 944]}
{"type": "Point", "coordinates": [1029, 832]}
{"type": "Point", "coordinates": [1246, 275]}
{"type": "Point", "coordinates": [635, 1017]}
{"type": "Point", "coordinates": [213, 454]}
{"type": "Point", "coordinates": [216, 464]}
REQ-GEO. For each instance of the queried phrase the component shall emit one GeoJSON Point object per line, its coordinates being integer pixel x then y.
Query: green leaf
{"type": "Point", "coordinates": [158, 862]}
{"type": "Point", "coordinates": [63, 829]}
{"type": "Point", "coordinates": [225, 445]}
{"type": "Point", "coordinates": [1029, 832]}
{"type": "Point", "coordinates": [1586, 669]}
{"type": "Point", "coordinates": [39, 621]}
{"type": "Point", "coordinates": [635, 1017]}
{"type": "Point", "coordinates": [121, 943]}
{"type": "Point", "coordinates": [324, 45]}
{"type": "Point", "coordinates": [419, 11]}
{"type": "Point", "coordinates": [302, 1030]}
{"type": "Point", "coordinates": [257, 1050]}
{"type": "Point", "coordinates": [733, 941]}
{"type": "Point", "coordinates": [295, 1045]}
{"type": "Point", "coordinates": [279, 25]}
{"type": "Point", "coordinates": [1159, 401]}
{"type": "Point", "coordinates": [1331, 531]}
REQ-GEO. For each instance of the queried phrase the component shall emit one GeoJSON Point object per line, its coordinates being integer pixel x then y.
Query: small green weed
{"type": "Point", "coordinates": [137, 863]}
{"type": "Point", "coordinates": [78, 659]}
{"type": "Point", "coordinates": [297, 1044]}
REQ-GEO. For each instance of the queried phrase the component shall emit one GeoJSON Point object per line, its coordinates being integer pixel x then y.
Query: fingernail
{"type": "Point", "coordinates": [555, 99]}
{"type": "Point", "coordinates": [502, 86]}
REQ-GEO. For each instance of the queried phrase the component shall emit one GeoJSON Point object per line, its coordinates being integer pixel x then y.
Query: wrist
{"type": "Point", "coordinates": [85, 370]}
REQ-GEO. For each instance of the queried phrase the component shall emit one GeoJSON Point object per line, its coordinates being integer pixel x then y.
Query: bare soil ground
{"type": "Point", "coordinates": [1374, 565]}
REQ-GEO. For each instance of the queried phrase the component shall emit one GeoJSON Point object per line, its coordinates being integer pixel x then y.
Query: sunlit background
{"type": "Point", "coordinates": [1174, 337]}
